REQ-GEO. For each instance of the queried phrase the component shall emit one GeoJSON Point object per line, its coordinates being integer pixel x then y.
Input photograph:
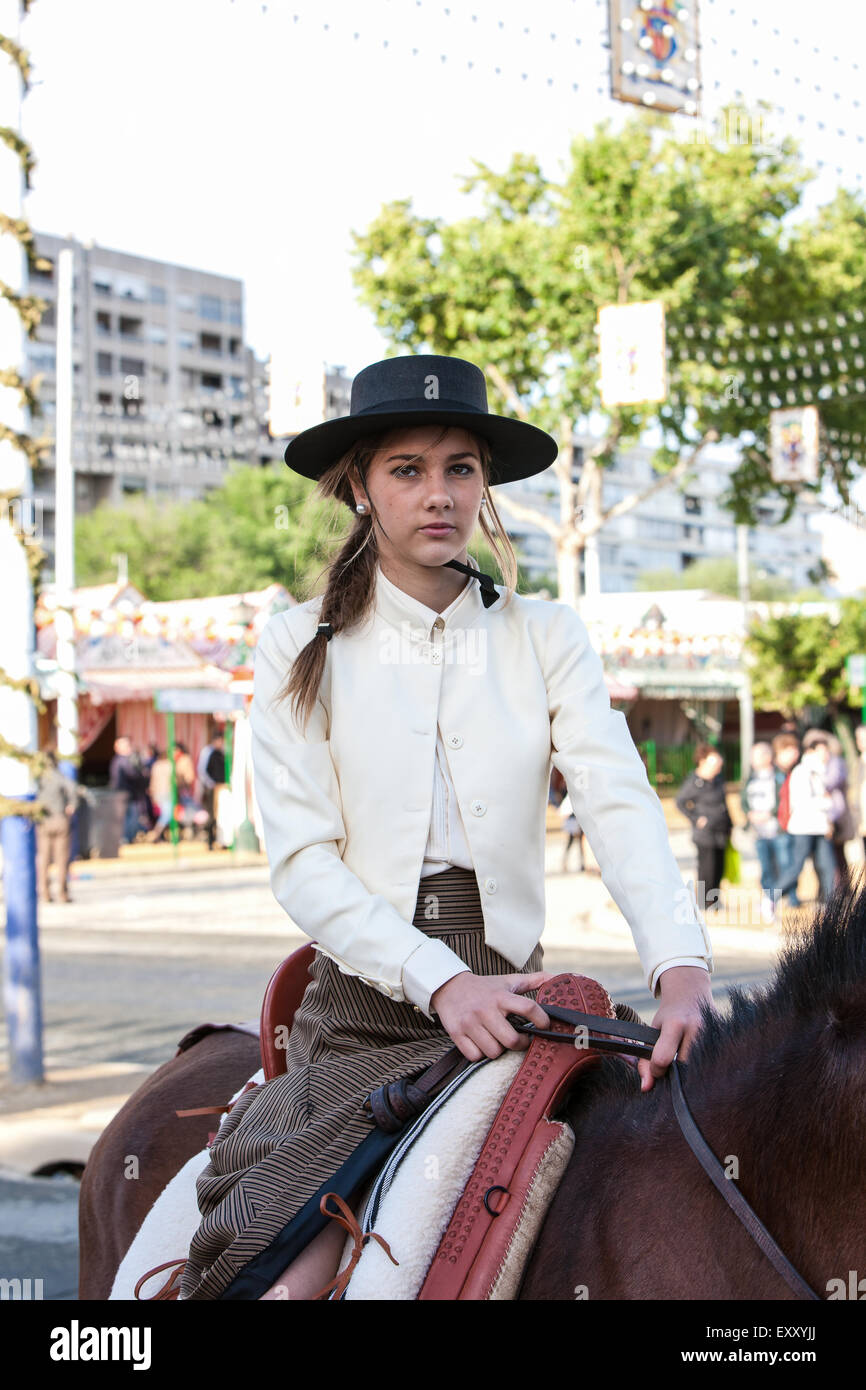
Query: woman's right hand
{"type": "Point", "coordinates": [472, 1009]}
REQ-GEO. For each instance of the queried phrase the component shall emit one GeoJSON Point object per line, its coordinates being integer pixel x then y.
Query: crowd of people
{"type": "Point", "coordinates": [146, 779]}
{"type": "Point", "coordinates": [800, 801]}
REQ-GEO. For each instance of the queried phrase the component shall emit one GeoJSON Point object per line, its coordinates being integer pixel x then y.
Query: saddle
{"type": "Point", "coordinates": [505, 1189]}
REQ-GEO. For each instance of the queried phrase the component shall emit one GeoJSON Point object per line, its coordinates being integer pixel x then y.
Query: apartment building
{"type": "Point", "coordinates": [166, 392]}
{"type": "Point", "coordinates": [672, 529]}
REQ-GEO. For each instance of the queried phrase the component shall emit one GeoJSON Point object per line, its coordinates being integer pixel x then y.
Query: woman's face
{"type": "Point", "coordinates": [428, 507]}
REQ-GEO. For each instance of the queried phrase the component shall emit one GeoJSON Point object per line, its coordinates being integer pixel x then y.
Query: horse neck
{"type": "Point", "coordinates": [636, 1217]}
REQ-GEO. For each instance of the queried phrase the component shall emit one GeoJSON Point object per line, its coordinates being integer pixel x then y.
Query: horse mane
{"type": "Point", "coordinates": [809, 1020]}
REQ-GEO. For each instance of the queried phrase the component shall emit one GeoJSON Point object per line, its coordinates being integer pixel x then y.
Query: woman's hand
{"type": "Point", "coordinates": [683, 989]}
{"type": "Point", "coordinates": [472, 1009]}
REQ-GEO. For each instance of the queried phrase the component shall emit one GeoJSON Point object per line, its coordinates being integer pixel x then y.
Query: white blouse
{"type": "Point", "coordinates": [446, 842]}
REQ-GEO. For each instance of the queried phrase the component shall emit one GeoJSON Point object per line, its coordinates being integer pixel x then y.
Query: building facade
{"type": "Point", "coordinates": [672, 529]}
{"type": "Point", "coordinates": [166, 393]}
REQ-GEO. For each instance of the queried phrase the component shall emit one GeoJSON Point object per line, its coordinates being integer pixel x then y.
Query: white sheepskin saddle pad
{"type": "Point", "coordinates": [409, 1205]}
{"type": "Point", "coordinates": [412, 1202]}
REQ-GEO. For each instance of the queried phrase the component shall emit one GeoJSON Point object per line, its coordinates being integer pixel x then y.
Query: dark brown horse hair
{"type": "Point", "coordinates": [809, 1019]}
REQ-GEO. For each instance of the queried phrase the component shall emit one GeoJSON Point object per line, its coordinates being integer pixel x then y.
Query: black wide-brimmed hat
{"type": "Point", "coordinates": [423, 390]}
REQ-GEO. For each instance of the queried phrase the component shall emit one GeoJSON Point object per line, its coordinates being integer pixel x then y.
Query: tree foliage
{"type": "Point", "coordinates": [262, 526]}
{"type": "Point", "coordinates": [719, 575]}
{"type": "Point", "coordinates": [638, 214]}
{"type": "Point", "coordinates": [799, 659]}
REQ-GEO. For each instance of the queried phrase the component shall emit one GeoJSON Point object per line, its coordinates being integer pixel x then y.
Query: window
{"type": "Point", "coordinates": [44, 269]}
{"type": "Point", "coordinates": [104, 364]}
{"type": "Point", "coordinates": [186, 303]}
{"type": "Point", "coordinates": [102, 282]}
{"type": "Point", "coordinates": [103, 322]}
{"type": "Point", "coordinates": [156, 333]}
{"type": "Point", "coordinates": [234, 346]}
{"type": "Point", "coordinates": [211, 381]}
{"type": "Point", "coordinates": [211, 342]}
{"type": "Point", "coordinates": [158, 294]}
{"type": "Point", "coordinates": [236, 386]}
{"type": "Point", "coordinates": [49, 318]}
{"type": "Point", "coordinates": [132, 366]}
{"type": "Point", "coordinates": [210, 306]}
{"type": "Point", "coordinates": [186, 341]}
{"type": "Point", "coordinates": [44, 358]}
{"type": "Point", "coordinates": [130, 287]}
{"type": "Point", "coordinates": [693, 505]}
{"type": "Point", "coordinates": [234, 312]}
{"type": "Point", "coordinates": [129, 486]}
{"type": "Point", "coordinates": [129, 328]}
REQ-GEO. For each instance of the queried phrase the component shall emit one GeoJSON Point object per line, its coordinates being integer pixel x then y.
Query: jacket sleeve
{"type": "Point", "coordinates": [298, 795]}
{"type": "Point", "coordinates": [616, 806]}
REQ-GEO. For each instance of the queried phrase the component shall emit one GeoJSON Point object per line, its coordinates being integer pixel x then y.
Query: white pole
{"type": "Point", "coordinates": [64, 568]}
{"type": "Point", "coordinates": [22, 985]}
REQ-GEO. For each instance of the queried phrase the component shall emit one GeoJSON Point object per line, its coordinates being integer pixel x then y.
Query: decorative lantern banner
{"type": "Point", "coordinates": [632, 353]}
{"type": "Point", "coordinates": [296, 394]}
{"type": "Point", "coordinates": [654, 54]}
{"type": "Point", "coordinates": [794, 442]}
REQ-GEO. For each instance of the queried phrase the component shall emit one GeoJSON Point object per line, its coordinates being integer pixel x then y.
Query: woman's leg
{"type": "Point", "coordinates": [313, 1269]}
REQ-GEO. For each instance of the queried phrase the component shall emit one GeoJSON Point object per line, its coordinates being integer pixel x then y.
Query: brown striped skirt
{"type": "Point", "coordinates": [281, 1142]}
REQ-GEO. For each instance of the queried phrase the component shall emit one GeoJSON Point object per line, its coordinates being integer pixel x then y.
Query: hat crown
{"type": "Point", "coordinates": [426, 382]}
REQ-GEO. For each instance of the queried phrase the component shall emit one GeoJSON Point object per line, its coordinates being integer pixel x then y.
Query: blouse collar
{"type": "Point", "coordinates": [401, 609]}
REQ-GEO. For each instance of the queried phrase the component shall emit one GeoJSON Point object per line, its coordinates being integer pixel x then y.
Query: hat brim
{"type": "Point", "coordinates": [519, 450]}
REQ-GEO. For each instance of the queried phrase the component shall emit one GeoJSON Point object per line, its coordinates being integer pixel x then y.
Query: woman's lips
{"type": "Point", "coordinates": [434, 530]}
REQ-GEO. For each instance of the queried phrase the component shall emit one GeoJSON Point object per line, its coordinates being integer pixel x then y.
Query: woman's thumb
{"type": "Point", "coordinates": [523, 983]}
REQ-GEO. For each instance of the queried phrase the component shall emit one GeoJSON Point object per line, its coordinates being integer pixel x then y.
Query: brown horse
{"type": "Point", "coordinates": [778, 1088]}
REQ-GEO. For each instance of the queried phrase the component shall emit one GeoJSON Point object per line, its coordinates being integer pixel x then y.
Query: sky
{"type": "Point", "coordinates": [252, 139]}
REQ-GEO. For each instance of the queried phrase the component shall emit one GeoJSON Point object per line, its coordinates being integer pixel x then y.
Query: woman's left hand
{"type": "Point", "coordinates": [683, 989]}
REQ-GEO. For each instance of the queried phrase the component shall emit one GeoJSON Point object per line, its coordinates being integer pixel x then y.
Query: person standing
{"type": "Point", "coordinates": [160, 794]}
{"type": "Point", "coordinates": [211, 776]}
{"type": "Point", "coordinates": [125, 775]}
{"type": "Point", "coordinates": [786, 755]}
{"type": "Point", "coordinates": [860, 783]}
{"type": "Point", "coordinates": [58, 796]}
{"type": "Point", "coordinates": [702, 800]}
{"type": "Point", "coordinates": [760, 803]}
{"type": "Point", "coordinates": [810, 821]}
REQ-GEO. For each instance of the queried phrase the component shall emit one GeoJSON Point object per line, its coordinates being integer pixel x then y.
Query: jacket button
{"type": "Point", "coordinates": [490, 885]}
{"type": "Point", "coordinates": [478, 808]}
{"type": "Point", "coordinates": [455, 741]}
{"type": "Point", "coordinates": [436, 658]}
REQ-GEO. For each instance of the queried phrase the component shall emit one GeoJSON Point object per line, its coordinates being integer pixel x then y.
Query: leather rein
{"type": "Point", "coordinates": [638, 1040]}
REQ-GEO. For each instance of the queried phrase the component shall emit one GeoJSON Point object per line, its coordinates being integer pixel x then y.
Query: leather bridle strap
{"type": "Point", "coordinates": [637, 1038]}
{"type": "Point", "coordinates": [731, 1193]}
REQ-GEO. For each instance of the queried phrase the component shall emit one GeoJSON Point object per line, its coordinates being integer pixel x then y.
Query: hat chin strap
{"type": "Point", "coordinates": [489, 592]}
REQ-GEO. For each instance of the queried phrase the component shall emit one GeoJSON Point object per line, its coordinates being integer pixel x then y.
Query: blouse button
{"type": "Point", "coordinates": [478, 808]}
{"type": "Point", "coordinates": [455, 741]}
{"type": "Point", "coordinates": [490, 885]}
{"type": "Point", "coordinates": [436, 658]}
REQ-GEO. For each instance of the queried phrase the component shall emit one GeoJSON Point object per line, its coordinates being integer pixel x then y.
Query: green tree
{"type": "Point", "coordinates": [262, 526]}
{"type": "Point", "coordinates": [799, 659]}
{"type": "Point", "coordinates": [719, 575]}
{"type": "Point", "coordinates": [638, 214]}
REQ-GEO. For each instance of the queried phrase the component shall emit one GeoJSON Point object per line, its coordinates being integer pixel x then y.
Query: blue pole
{"type": "Point", "coordinates": [22, 986]}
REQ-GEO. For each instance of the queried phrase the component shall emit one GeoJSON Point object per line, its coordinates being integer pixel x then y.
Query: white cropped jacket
{"type": "Point", "coordinates": [346, 803]}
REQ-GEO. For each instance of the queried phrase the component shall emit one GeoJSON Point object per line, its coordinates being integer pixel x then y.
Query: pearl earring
{"type": "Point", "coordinates": [361, 507]}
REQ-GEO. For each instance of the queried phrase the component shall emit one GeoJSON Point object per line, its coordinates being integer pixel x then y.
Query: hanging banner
{"type": "Point", "coordinates": [296, 394]}
{"type": "Point", "coordinates": [654, 55]}
{"type": "Point", "coordinates": [794, 442]}
{"type": "Point", "coordinates": [632, 353]}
